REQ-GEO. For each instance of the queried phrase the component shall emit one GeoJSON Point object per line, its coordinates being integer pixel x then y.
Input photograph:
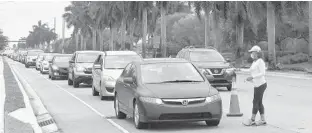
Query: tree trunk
{"type": "Point", "coordinates": [101, 40]}
{"type": "Point", "coordinates": [144, 24]}
{"type": "Point", "coordinates": [163, 32]}
{"type": "Point", "coordinates": [111, 41]}
{"type": "Point", "coordinates": [271, 33]}
{"type": "Point", "coordinates": [123, 30]}
{"type": "Point", "coordinates": [93, 38]}
{"type": "Point", "coordinates": [207, 29]}
{"type": "Point", "coordinates": [310, 28]}
{"type": "Point", "coordinates": [81, 42]}
{"type": "Point", "coordinates": [77, 41]}
{"type": "Point", "coordinates": [239, 31]}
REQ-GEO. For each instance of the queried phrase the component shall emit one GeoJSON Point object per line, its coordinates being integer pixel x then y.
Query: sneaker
{"type": "Point", "coordinates": [261, 122]}
{"type": "Point", "coordinates": [249, 123]}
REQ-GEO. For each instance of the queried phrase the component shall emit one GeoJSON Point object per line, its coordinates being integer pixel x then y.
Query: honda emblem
{"type": "Point", "coordinates": [185, 102]}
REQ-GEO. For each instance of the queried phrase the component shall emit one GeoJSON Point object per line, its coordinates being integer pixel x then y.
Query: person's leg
{"type": "Point", "coordinates": [262, 88]}
{"type": "Point", "coordinates": [256, 103]}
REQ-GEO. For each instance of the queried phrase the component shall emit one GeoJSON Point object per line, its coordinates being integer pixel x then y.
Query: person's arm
{"type": "Point", "coordinates": [261, 66]}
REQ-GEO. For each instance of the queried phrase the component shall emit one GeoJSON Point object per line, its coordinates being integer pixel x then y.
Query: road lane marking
{"type": "Point", "coordinates": [89, 106]}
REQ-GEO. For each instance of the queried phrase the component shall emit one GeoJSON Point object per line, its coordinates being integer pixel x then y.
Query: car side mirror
{"type": "Point", "coordinates": [228, 60]}
{"type": "Point", "coordinates": [128, 80]}
{"type": "Point", "coordinates": [97, 66]}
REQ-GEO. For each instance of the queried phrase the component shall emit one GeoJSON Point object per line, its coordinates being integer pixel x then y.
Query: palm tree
{"type": "Point", "coordinates": [310, 28]}
{"type": "Point", "coordinates": [271, 32]}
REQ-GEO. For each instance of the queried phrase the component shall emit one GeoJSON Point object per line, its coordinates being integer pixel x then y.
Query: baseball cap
{"type": "Point", "coordinates": [255, 49]}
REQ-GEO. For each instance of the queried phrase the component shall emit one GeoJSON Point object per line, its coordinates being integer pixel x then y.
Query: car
{"type": "Point", "coordinates": [45, 63]}
{"type": "Point", "coordinates": [39, 60]}
{"type": "Point", "coordinates": [30, 57]}
{"type": "Point", "coordinates": [59, 66]}
{"type": "Point", "coordinates": [107, 68]}
{"type": "Point", "coordinates": [166, 90]}
{"type": "Point", "coordinates": [80, 67]}
{"type": "Point", "coordinates": [218, 70]}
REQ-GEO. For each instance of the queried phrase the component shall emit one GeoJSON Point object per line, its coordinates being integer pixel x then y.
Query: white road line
{"type": "Point", "coordinates": [89, 106]}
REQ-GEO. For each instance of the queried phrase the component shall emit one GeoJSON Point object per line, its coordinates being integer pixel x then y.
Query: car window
{"type": "Point", "coordinates": [62, 59]}
{"type": "Point", "coordinates": [120, 61]}
{"type": "Point", "coordinates": [206, 56]}
{"type": "Point", "coordinates": [126, 70]}
{"type": "Point", "coordinates": [86, 57]}
{"type": "Point", "coordinates": [164, 72]}
{"type": "Point", "coordinates": [48, 57]}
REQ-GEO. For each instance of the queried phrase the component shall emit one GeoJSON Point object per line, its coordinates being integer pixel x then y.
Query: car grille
{"type": "Point", "coordinates": [110, 89]}
{"type": "Point", "coordinates": [177, 116]}
{"type": "Point", "coordinates": [216, 70]}
{"type": "Point", "coordinates": [88, 71]}
{"type": "Point", "coordinates": [218, 76]}
{"type": "Point", "coordinates": [218, 81]}
{"type": "Point", "coordinates": [180, 101]}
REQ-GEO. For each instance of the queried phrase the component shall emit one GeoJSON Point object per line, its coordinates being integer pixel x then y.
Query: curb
{"type": "Point", "coordinates": [44, 119]}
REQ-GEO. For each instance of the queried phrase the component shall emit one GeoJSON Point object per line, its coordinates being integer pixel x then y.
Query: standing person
{"type": "Point", "coordinates": [257, 77]}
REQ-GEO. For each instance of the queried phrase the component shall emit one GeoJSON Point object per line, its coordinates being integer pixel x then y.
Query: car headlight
{"type": "Point", "coordinates": [80, 69]}
{"type": "Point", "coordinates": [108, 78]}
{"type": "Point", "coordinates": [151, 100]}
{"type": "Point", "coordinates": [213, 98]}
{"type": "Point", "coordinates": [229, 70]}
{"type": "Point", "coordinates": [204, 71]}
{"type": "Point", "coordinates": [54, 67]}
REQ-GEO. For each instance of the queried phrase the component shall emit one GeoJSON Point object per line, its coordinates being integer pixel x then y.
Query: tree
{"type": "Point", "coordinates": [3, 40]}
{"type": "Point", "coordinates": [310, 28]}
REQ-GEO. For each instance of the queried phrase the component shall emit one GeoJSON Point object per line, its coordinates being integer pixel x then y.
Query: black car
{"type": "Point", "coordinates": [59, 66]}
{"type": "Point", "coordinates": [212, 64]}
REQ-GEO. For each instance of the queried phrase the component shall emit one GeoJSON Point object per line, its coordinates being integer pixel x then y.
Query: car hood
{"type": "Point", "coordinates": [179, 90]}
{"type": "Point", "coordinates": [211, 64]}
{"type": "Point", "coordinates": [85, 65]}
{"type": "Point", "coordinates": [114, 73]}
{"type": "Point", "coordinates": [61, 64]}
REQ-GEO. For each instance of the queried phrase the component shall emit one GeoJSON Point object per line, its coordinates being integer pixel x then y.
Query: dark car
{"type": "Point", "coordinates": [59, 66]}
{"type": "Point", "coordinates": [212, 64]}
{"type": "Point", "coordinates": [80, 67]}
{"type": "Point", "coordinates": [166, 90]}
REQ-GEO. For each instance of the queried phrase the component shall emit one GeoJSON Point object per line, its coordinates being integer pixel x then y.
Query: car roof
{"type": "Point", "coordinates": [201, 49]}
{"type": "Point", "coordinates": [88, 51]}
{"type": "Point", "coordinates": [64, 55]}
{"type": "Point", "coordinates": [162, 60]}
{"type": "Point", "coordinates": [108, 53]}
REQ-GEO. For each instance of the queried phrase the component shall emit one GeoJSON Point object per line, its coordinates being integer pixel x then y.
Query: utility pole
{"type": "Point", "coordinates": [63, 35]}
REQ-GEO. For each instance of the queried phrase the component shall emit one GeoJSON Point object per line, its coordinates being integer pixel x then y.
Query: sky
{"type": "Point", "coordinates": [18, 17]}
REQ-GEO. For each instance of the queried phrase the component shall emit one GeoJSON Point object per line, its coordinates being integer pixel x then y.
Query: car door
{"type": "Point", "coordinates": [71, 66]}
{"type": "Point", "coordinates": [130, 89]}
{"type": "Point", "coordinates": [120, 87]}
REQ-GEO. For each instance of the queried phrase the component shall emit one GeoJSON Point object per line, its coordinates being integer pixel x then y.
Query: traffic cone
{"type": "Point", "coordinates": [234, 103]}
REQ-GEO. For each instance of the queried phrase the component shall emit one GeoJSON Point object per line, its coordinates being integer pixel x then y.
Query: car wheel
{"type": "Point", "coordinates": [212, 122]}
{"type": "Point", "coordinates": [70, 82]}
{"type": "Point", "coordinates": [119, 114]}
{"type": "Point", "coordinates": [75, 83]}
{"type": "Point", "coordinates": [94, 92]}
{"type": "Point", "coordinates": [136, 118]}
{"type": "Point", "coordinates": [229, 87]}
{"type": "Point", "coordinates": [49, 76]}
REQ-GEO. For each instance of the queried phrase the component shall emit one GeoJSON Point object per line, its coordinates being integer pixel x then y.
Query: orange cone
{"type": "Point", "coordinates": [234, 104]}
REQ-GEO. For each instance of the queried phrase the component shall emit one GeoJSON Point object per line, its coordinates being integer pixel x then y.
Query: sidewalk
{"type": "Point", "coordinates": [14, 105]}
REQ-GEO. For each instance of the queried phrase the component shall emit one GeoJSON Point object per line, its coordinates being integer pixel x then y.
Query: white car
{"type": "Point", "coordinates": [106, 70]}
{"type": "Point", "coordinates": [39, 60]}
{"type": "Point", "coordinates": [45, 63]}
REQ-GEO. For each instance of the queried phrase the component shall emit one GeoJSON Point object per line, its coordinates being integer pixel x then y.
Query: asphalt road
{"type": "Point", "coordinates": [287, 101]}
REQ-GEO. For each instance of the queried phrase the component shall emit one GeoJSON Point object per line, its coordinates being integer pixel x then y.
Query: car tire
{"type": "Point", "coordinates": [70, 82]}
{"type": "Point", "coordinates": [119, 114]}
{"type": "Point", "coordinates": [212, 122]}
{"type": "Point", "coordinates": [94, 92]}
{"type": "Point", "coordinates": [229, 87]}
{"type": "Point", "coordinates": [75, 83]}
{"type": "Point", "coordinates": [136, 118]}
{"type": "Point", "coordinates": [49, 76]}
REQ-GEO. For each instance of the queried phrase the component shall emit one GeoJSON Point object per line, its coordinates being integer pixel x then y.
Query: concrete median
{"type": "Point", "coordinates": [44, 119]}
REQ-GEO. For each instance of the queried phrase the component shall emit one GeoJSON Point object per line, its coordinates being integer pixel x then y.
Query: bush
{"type": "Point", "coordinates": [293, 59]}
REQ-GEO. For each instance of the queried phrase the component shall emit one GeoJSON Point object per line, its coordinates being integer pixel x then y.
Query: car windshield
{"type": "Point", "coordinates": [48, 57]}
{"type": "Point", "coordinates": [119, 61]}
{"type": "Point", "coordinates": [169, 72]}
{"type": "Point", "coordinates": [34, 53]}
{"type": "Point", "coordinates": [206, 56]}
{"type": "Point", "coordinates": [87, 57]}
{"type": "Point", "coordinates": [62, 59]}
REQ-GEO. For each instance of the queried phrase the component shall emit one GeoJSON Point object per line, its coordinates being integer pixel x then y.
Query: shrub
{"type": "Point", "coordinates": [293, 59]}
